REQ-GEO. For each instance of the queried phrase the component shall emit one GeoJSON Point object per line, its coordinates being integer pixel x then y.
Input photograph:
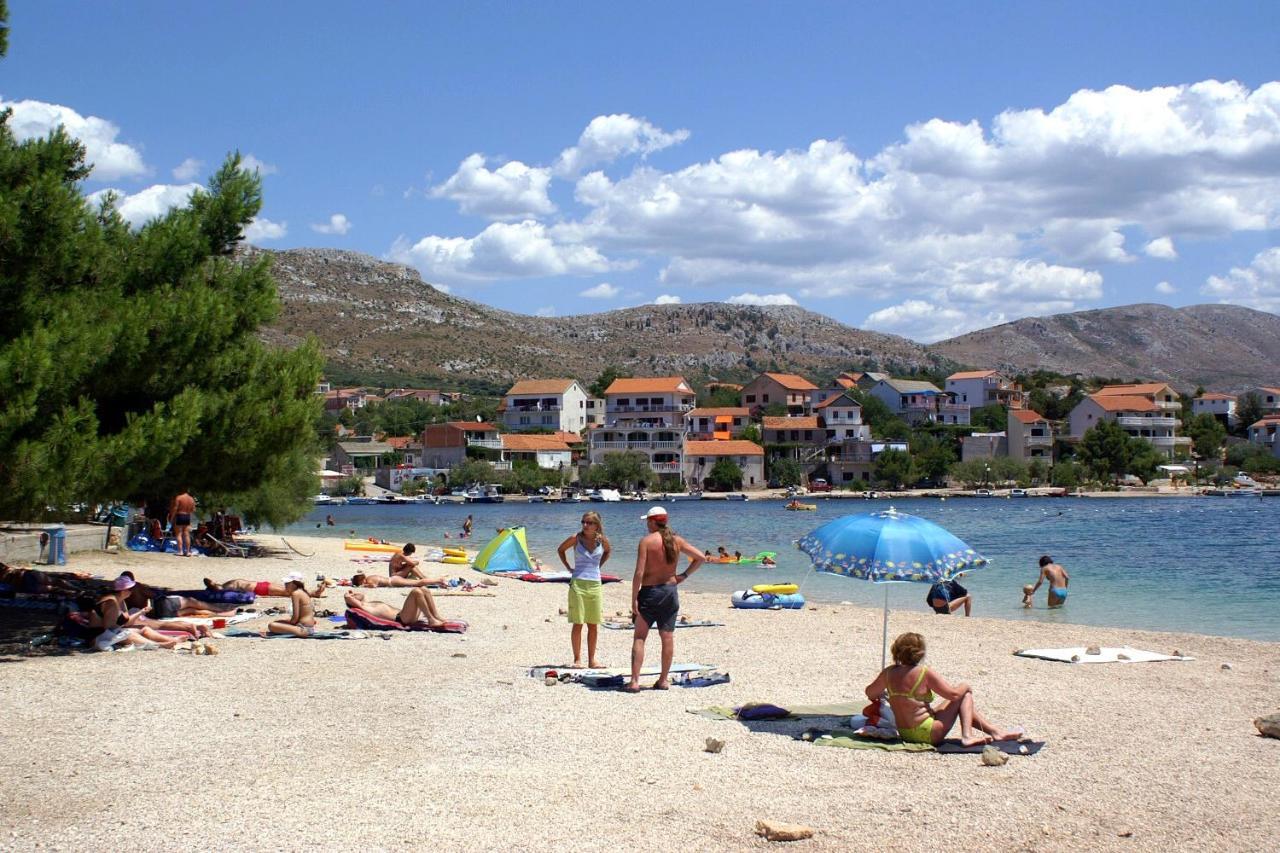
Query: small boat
{"type": "Point", "coordinates": [691, 496]}
{"type": "Point", "coordinates": [796, 506]}
{"type": "Point", "coordinates": [735, 497]}
{"type": "Point", "coordinates": [322, 500]}
{"type": "Point", "coordinates": [359, 501]}
{"type": "Point", "coordinates": [537, 499]}
{"type": "Point", "coordinates": [1018, 493]}
{"type": "Point", "coordinates": [486, 495]}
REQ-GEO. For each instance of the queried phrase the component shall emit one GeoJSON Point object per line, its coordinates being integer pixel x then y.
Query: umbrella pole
{"type": "Point", "coordinates": [884, 638]}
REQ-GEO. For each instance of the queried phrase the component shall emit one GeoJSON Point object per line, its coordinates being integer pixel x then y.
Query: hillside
{"type": "Point", "coordinates": [380, 319]}
{"type": "Point", "coordinates": [1222, 347]}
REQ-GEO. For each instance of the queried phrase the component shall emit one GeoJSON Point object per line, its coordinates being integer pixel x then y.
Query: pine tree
{"type": "Point", "coordinates": [129, 365]}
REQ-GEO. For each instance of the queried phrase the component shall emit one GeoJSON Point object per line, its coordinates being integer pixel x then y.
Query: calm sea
{"type": "Point", "coordinates": [1204, 565]}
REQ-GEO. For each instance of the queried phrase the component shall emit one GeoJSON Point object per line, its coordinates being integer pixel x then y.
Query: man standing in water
{"type": "Point", "coordinates": [1057, 578]}
{"type": "Point", "coordinates": [180, 513]}
{"type": "Point", "coordinates": [654, 600]}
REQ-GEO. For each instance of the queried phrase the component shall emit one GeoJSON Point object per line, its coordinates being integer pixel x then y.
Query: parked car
{"type": "Point", "coordinates": [819, 485]}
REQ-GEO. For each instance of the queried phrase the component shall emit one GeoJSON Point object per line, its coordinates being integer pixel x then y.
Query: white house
{"type": "Point", "coordinates": [558, 404]}
{"type": "Point", "coordinates": [917, 401]}
{"type": "Point", "coordinates": [1148, 411]}
{"type": "Point", "coordinates": [978, 388]}
{"type": "Point", "coordinates": [701, 456]}
{"type": "Point", "coordinates": [841, 415]}
{"type": "Point", "coordinates": [546, 451]}
{"type": "Point", "coordinates": [645, 414]}
{"type": "Point", "coordinates": [1221, 406]}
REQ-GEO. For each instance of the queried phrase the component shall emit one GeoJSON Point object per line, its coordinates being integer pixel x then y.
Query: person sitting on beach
{"type": "Point", "coordinates": [418, 607]}
{"type": "Point", "coordinates": [949, 596]}
{"type": "Point", "coordinates": [403, 565]}
{"type": "Point", "coordinates": [118, 626]}
{"type": "Point", "coordinates": [302, 622]}
{"type": "Point", "coordinates": [262, 589]}
{"type": "Point", "coordinates": [360, 579]}
{"type": "Point", "coordinates": [1057, 578]}
{"type": "Point", "coordinates": [911, 689]}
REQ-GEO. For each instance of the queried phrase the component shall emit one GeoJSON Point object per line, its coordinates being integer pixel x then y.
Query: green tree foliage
{"type": "Point", "coordinates": [933, 456]}
{"type": "Point", "coordinates": [751, 433]}
{"type": "Point", "coordinates": [997, 471]}
{"type": "Point", "coordinates": [353, 485]}
{"type": "Point", "coordinates": [626, 470]}
{"type": "Point", "coordinates": [883, 422]}
{"type": "Point", "coordinates": [724, 476]}
{"type": "Point", "coordinates": [1248, 411]}
{"type": "Point", "coordinates": [786, 471]}
{"type": "Point", "coordinates": [4, 29]}
{"type": "Point", "coordinates": [991, 418]}
{"type": "Point", "coordinates": [1252, 459]}
{"type": "Point", "coordinates": [1207, 434]}
{"type": "Point", "coordinates": [719, 398]}
{"type": "Point", "coordinates": [1105, 449]}
{"type": "Point", "coordinates": [605, 379]}
{"type": "Point", "coordinates": [894, 468]}
{"type": "Point", "coordinates": [472, 471]}
{"type": "Point", "coordinates": [1068, 475]}
{"type": "Point", "coordinates": [775, 410]}
{"type": "Point", "coordinates": [129, 359]}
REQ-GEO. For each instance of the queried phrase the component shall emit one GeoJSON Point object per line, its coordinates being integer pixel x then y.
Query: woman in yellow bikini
{"type": "Point", "coordinates": [911, 686]}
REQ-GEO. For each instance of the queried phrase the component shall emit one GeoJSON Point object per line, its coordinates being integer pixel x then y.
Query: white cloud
{"type": "Point", "coordinates": [252, 164]}
{"type": "Point", "coordinates": [606, 138]}
{"type": "Point", "coordinates": [503, 250]}
{"type": "Point", "coordinates": [1165, 288]}
{"type": "Point", "coordinates": [153, 202]}
{"type": "Point", "coordinates": [545, 311]}
{"type": "Point", "coordinates": [261, 230]}
{"type": "Point", "coordinates": [761, 299]}
{"type": "Point", "coordinates": [667, 299]}
{"type": "Point", "coordinates": [512, 191]}
{"type": "Point", "coordinates": [603, 290]}
{"type": "Point", "coordinates": [337, 224]}
{"type": "Point", "coordinates": [1257, 285]}
{"type": "Point", "coordinates": [111, 160]}
{"type": "Point", "coordinates": [1162, 248]}
{"type": "Point", "coordinates": [924, 321]}
{"type": "Point", "coordinates": [188, 169]}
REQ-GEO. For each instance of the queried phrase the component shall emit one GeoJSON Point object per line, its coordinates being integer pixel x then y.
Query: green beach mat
{"type": "Point", "coordinates": [849, 739]}
{"type": "Point", "coordinates": [793, 712]}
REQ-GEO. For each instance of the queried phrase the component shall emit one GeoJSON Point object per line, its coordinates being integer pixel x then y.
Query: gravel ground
{"type": "Point", "coordinates": [444, 741]}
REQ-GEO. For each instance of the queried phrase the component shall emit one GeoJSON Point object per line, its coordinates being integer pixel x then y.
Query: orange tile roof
{"type": "Point", "coordinates": [731, 411]}
{"type": "Point", "coordinates": [733, 447]}
{"type": "Point", "coordinates": [971, 374]}
{"type": "Point", "coordinates": [1214, 395]}
{"type": "Point", "coordinates": [1122, 403]}
{"type": "Point", "coordinates": [567, 437]}
{"type": "Point", "coordinates": [1131, 390]}
{"type": "Point", "coordinates": [650, 385]}
{"type": "Point", "coordinates": [528, 443]}
{"type": "Point", "coordinates": [540, 386]}
{"type": "Point", "coordinates": [792, 382]}
{"type": "Point", "coordinates": [1027, 416]}
{"type": "Point", "coordinates": [400, 442]}
{"type": "Point", "coordinates": [474, 426]}
{"type": "Point", "coordinates": [791, 423]}
{"type": "Point", "coordinates": [1269, 388]}
{"type": "Point", "coordinates": [846, 382]}
{"type": "Point", "coordinates": [835, 398]}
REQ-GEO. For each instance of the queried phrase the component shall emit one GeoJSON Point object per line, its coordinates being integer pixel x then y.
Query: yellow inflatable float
{"type": "Point", "coordinates": [454, 559]}
{"type": "Point", "coordinates": [776, 588]}
{"type": "Point", "coordinates": [366, 545]}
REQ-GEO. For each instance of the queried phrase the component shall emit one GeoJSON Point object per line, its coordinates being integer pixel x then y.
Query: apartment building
{"type": "Point", "coordinates": [646, 415]}
{"type": "Point", "coordinates": [557, 404]}
{"type": "Point", "coordinates": [917, 401]}
{"type": "Point", "coordinates": [701, 456]}
{"type": "Point", "coordinates": [978, 388]}
{"type": "Point", "coordinates": [1030, 435]}
{"type": "Point", "coordinates": [445, 445]}
{"type": "Point", "coordinates": [546, 451]}
{"type": "Point", "coordinates": [769, 389]}
{"type": "Point", "coordinates": [716, 424]}
{"type": "Point", "coordinates": [1148, 411]}
{"type": "Point", "coordinates": [1221, 406]}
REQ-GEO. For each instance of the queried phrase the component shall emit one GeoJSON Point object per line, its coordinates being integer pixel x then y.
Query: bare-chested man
{"type": "Point", "coordinates": [1057, 578]}
{"type": "Point", "coordinates": [360, 579]}
{"type": "Point", "coordinates": [418, 607]}
{"type": "Point", "coordinates": [404, 566]}
{"type": "Point", "coordinates": [180, 513]}
{"type": "Point", "coordinates": [654, 600]}
{"type": "Point", "coordinates": [262, 589]}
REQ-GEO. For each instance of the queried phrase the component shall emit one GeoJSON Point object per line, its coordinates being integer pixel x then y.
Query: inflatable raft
{"type": "Point", "coordinates": [750, 600]}
{"type": "Point", "coordinates": [366, 545]}
{"type": "Point", "coordinates": [776, 588]}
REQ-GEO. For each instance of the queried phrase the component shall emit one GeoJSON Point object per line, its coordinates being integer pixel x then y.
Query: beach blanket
{"type": "Point", "coordinates": [627, 626]}
{"type": "Point", "coordinates": [218, 596]}
{"type": "Point", "coordinates": [769, 711]}
{"type": "Point", "coordinates": [240, 633]}
{"type": "Point", "coordinates": [849, 739]}
{"type": "Point", "coordinates": [1107, 654]}
{"type": "Point", "coordinates": [682, 674]}
{"type": "Point", "coordinates": [357, 618]}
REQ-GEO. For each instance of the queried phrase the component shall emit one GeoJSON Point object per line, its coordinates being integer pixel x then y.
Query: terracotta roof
{"type": "Point", "coordinates": [472, 426]}
{"type": "Point", "coordinates": [650, 385]}
{"type": "Point", "coordinates": [400, 442]}
{"type": "Point", "coordinates": [540, 386]}
{"type": "Point", "coordinates": [732, 411]}
{"type": "Point", "coordinates": [1214, 395]}
{"type": "Point", "coordinates": [1122, 403]}
{"type": "Point", "coordinates": [1027, 416]}
{"type": "Point", "coordinates": [835, 399]}
{"type": "Point", "coordinates": [733, 447]}
{"type": "Point", "coordinates": [792, 382]}
{"type": "Point", "coordinates": [567, 437]}
{"type": "Point", "coordinates": [846, 382]}
{"type": "Point", "coordinates": [1266, 421]}
{"type": "Point", "coordinates": [1270, 389]}
{"type": "Point", "coordinates": [527, 443]}
{"type": "Point", "coordinates": [791, 423]}
{"type": "Point", "coordinates": [1132, 390]}
{"type": "Point", "coordinates": [971, 374]}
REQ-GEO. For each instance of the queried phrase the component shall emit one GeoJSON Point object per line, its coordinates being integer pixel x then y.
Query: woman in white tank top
{"type": "Point", "coordinates": [586, 598]}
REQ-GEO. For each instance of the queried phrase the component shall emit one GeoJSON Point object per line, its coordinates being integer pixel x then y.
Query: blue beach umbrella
{"type": "Point", "coordinates": [888, 547]}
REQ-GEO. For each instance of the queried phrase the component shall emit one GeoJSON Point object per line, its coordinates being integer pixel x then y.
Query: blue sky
{"type": "Point", "coordinates": [922, 171]}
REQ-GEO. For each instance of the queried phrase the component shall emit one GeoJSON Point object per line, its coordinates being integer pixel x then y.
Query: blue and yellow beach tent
{"type": "Point", "coordinates": [507, 552]}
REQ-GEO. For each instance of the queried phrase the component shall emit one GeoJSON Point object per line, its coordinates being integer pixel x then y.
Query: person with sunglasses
{"type": "Point", "coordinates": [586, 599]}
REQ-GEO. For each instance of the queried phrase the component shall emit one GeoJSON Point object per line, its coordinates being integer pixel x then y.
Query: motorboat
{"type": "Point", "coordinates": [491, 494]}
{"type": "Point", "coordinates": [1019, 493]}
{"type": "Point", "coordinates": [605, 495]}
{"type": "Point", "coordinates": [322, 500]}
{"type": "Point", "coordinates": [736, 497]}
{"type": "Point", "coordinates": [362, 501]}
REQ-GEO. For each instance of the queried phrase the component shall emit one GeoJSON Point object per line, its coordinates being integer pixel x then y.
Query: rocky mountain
{"type": "Point", "coordinates": [1222, 347]}
{"type": "Point", "coordinates": [380, 319]}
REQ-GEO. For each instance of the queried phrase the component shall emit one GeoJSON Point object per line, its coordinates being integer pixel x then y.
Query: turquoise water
{"type": "Point", "coordinates": [1204, 565]}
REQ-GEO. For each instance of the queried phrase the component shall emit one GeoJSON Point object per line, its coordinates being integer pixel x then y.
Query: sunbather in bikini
{"type": "Point", "coordinates": [160, 605]}
{"type": "Point", "coordinates": [262, 589]}
{"type": "Point", "coordinates": [911, 688]}
{"type": "Point", "coordinates": [302, 622]}
{"type": "Point", "coordinates": [360, 579]}
{"type": "Point", "coordinates": [117, 627]}
{"type": "Point", "coordinates": [34, 581]}
{"type": "Point", "coordinates": [418, 607]}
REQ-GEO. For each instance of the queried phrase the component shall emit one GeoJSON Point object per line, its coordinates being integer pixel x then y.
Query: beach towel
{"type": "Point", "coordinates": [1107, 654]}
{"type": "Point", "coordinates": [616, 676]}
{"type": "Point", "coordinates": [627, 626]}
{"type": "Point", "coordinates": [356, 618]}
{"type": "Point", "coordinates": [218, 596]}
{"type": "Point", "coordinates": [769, 711]}
{"type": "Point", "coordinates": [849, 739]}
{"type": "Point", "coordinates": [240, 633]}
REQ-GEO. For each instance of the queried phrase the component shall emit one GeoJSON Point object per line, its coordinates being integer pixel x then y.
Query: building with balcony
{"type": "Point", "coordinates": [793, 438]}
{"type": "Point", "coordinates": [1030, 435]}
{"type": "Point", "coordinates": [337, 399]}
{"type": "Point", "coordinates": [1155, 420]}
{"type": "Point", "coordinates": [645, 415]}
{"type": "Point", "coordinates": [595, 411]}
{"type": "Point", "coordinates": [1162, 396]}
{"type": "Point", "coordinates": [546, 451]}
{"type": "Point", "coordinates": [917, 402]}
{"type": "Point", "coordinates": [1221, 406]}
{"type": "Point", "coordinates": [840, 415]}
{"type": "Point", "coordinates": [555, 404]}
{"type": "Point", "coordinates": [445, 445]}
{"type": "Point", "coordinates": [1263, 432]}
{"type": "Point", "coordinates": [716, 424]}
{"type": "Point", "coordinates": [978, 388]}
{"type": "Point", "coordinates": [786, 389]}
{"type": "Point", "coordinates": [701, 456]}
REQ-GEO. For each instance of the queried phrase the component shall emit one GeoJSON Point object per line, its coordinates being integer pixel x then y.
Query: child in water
{"type": "Point", "coordinates": [1027, 589]}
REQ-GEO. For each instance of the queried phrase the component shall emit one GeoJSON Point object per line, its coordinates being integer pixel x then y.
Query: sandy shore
{"type": "Point", "coordinates": [443, 741]}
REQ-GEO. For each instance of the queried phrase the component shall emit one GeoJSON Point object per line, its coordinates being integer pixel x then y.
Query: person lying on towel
{"type": "Point", "coordinates": [162, 605]}
{"type": "Point", "coordinates": [302, 621]}
{"type": "Point", "coordinates": [360, 579]}
{"type": "Point", "coordinates": [418, 607]}
{"type": "Point", "coordinates": [262, 589]}
{"type": "Point", "coordinates": [34, 581]}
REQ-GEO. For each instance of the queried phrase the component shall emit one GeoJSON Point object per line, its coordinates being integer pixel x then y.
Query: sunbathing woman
{"type": "Point", "coordinates": [262, 589]}
{"type": "Point", "coordinates": [372, 581]}
{"type": "Point", "coordinates": [118, 627]}
{"type": "Point", "coordinates": [911, 687]}
{"type": "Point", "coordinates": [302, 622]}
{"type": "Point", "coordinates": [418, 607]}
{"type": "Point", "coordinates": [160, 605]}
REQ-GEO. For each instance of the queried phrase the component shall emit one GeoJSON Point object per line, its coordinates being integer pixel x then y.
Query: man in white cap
{"type": "Point", "coordinates": [654, 600]}
{"type": "Point", "coordinates": [302, 622]}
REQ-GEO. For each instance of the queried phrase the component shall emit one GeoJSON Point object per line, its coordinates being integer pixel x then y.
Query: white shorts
{"type": "Point", "coordinates": [110, 638]}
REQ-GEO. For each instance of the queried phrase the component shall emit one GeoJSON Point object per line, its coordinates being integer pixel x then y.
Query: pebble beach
{"type": "Point", "coordinates": [445, 741]}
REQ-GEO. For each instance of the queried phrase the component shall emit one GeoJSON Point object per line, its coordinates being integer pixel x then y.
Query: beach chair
{"type": "Point", "coordinates": [229, 549]}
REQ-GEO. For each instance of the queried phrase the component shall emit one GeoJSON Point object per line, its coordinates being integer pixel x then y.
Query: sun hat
{"type": "Point", "coordinates": [122, 583]}
{"type": "Point", "coordinates": [655, 512]}
{"type": "Point", "coordinates": [294, 577]}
